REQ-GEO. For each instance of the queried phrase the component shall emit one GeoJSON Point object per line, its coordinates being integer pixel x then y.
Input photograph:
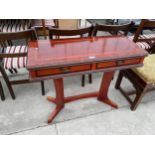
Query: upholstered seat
{"type": "Point", "coordinates": [15, 62]}
{"type": "Point", "coordinates": [147, 72]}
{"type": "Point", "coordinates": [15, 26]}
{"type": "Point", "coordinates": [143, 45]}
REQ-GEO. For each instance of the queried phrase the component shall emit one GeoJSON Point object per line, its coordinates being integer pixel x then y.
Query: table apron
{"type": "Point", "coordinates": [40, 78]}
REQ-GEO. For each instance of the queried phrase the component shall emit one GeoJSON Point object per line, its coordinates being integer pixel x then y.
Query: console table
{"type": "Point", "coordinates": [56, 59]}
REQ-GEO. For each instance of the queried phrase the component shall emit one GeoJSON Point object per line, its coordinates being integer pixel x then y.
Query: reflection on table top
{"type": "Point", "coordinates": [45, 53]}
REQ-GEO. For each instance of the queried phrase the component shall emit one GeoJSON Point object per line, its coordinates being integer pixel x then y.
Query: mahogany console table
{"type": "Point", "coordinates": [56, 59]}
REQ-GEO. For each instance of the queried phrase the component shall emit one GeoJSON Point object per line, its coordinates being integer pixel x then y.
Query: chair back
{"type": "Point", "coordinates": [10, 38]}
{"type": "Point", "coordinates": [83, 32]}
{"type": "Point", "coordinates": [41, 26]}
{"type": "Point", "coordinates": [14, 25]}
{"type": "Point", "coordinates": [68, 23]}
{"type": "Point", "coordinates": [113, 29]}
{"type": "Point", "coordinates": [145, 23]}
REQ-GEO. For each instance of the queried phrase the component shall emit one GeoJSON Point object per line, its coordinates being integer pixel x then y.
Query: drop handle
{"type": "Point", "coordinates": [65, 69]}
{"type": "Point", "coordinates": [120, 62]}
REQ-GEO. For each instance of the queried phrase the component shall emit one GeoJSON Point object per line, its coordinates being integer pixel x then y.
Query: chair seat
{"type": "Point", "coordinates": [144, 45]}
{"type": "Point", "coordinates": [16, 62]}
{"type": "Point", "coordinates": [15, 26]}
{"type": "Point", "coordinates": [147, 72]}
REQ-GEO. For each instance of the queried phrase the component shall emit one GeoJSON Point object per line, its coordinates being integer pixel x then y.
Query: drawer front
{"type": "Point", "coordinates": [127, 62]}
{"type": "Point", "coordinates": [118, 63]}
{"type": "Point", "coordinates": [62, 70]}
{"type": "Point", "coordinates": [106, 64]}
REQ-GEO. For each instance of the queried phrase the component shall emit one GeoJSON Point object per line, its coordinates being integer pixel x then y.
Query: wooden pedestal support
{"type": "Point", "coordinates": [60, 100]}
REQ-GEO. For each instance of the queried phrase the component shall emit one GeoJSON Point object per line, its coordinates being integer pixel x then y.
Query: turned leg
{"type": "Point", "coordinates": [104, 87]}
{"type": "Point", "coordinates": [59, 88]}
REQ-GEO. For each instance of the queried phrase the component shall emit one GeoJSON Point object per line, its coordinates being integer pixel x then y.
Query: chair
{"type": "Point", "coordinates": [13, 55]}
{"type": "Point", "coordinates": [142, 78]}
{"type": "Point", "coordinates": [112, 29]}
{"type": "Point", "coordinates": [72, 33]}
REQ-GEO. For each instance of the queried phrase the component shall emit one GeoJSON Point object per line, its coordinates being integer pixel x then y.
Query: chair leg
{"type": "Point", "coordinates": [7, 81]}
{"type": "Point", "coordinates": [2, 92]}
{"type": "Point", "coordinates": [42, 88]}
{"type": "Point", "coordinates": [138, 98]}
{"type": "Point", "coordinates": [119, 80]}
{"type": "Point", "coordinates": [10, 70]}
{"type": "Point", "coordinates": [15, 70]}
{"type": "Point", "coordinates": [90, 78]}
{"type": "Point", "coordinates": [139, 92]}
{"type": "Point", "coordinates": [83, 81]}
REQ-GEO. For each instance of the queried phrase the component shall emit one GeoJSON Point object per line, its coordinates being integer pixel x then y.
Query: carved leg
{"type": "Point", "coordinates": [59, 99]}
{"type": "Point", "coordinates": [2, 92]}
{"type": "Point", "coordinates": [7, 81]}
{"type": "Point", "coordinates": [83, 81]}
{"type": "Point", "coordinates": [103, 92]}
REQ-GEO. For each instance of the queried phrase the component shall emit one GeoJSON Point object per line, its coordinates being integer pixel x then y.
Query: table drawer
{"type": "Point", "coordinates": [62, 70]}
{"type": "Point", "coordinates": [118, 63]}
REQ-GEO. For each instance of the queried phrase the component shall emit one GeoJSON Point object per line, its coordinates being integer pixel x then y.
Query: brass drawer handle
{"type": "Point", "coordinates": [65, 69]}
{"type": "Point", "coordinates": [120, 62]}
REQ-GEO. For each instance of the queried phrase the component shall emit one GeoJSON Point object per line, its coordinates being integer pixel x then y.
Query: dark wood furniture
{"type": "Point", "coordinates": [101, 21]}
{"type": "Point", "coordinates": [83, 32]}
{"type": "Point", "coordinates": [14, 25]}
{"type": "Point", "coordinates": [141, 86]}
{"type": "Point", "coordinates": [41, 26]}
{"type": "Point", "coordinates": [145, 41]}
{"type": "Point", "coordinates": [133, 29]}
{"type": "Point", "coordinates": [56, 59]}
{"type": "Point", "coordinates": [112, 29]}
{"type": "Point", "coordinates": [14, 55]}
{"type": "Point", "coordinates": [2, 92]}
